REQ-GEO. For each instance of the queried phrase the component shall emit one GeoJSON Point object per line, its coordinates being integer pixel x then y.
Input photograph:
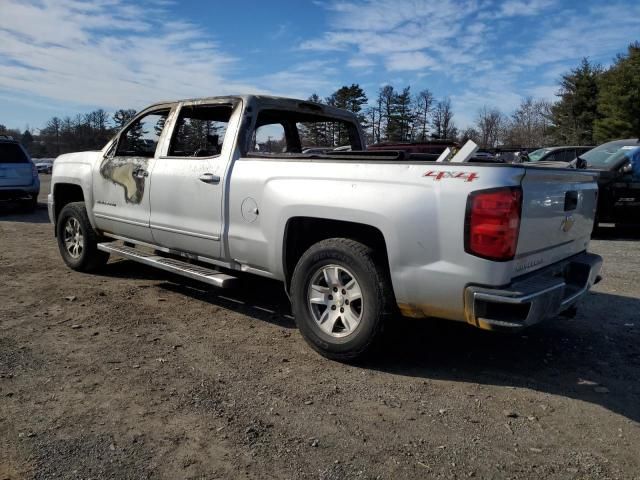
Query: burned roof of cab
{"type": "Point", "coordinates": [265, 101]}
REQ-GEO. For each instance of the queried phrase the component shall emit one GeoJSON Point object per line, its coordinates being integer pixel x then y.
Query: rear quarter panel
{"type": "Point", "coordinates": [421, 218]}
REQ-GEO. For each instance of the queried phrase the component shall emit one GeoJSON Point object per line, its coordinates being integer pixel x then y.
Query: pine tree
{"type": "Point", "coordinates": [577, 110]}
{"type": "Point", "coordinates": [404, 114]}
{"type": "Point", "coordinates": [122, 116]}
{"type": "Point", "coordinates": [619, 100]}
{"type": "Point", "coordinates": [313, 134]}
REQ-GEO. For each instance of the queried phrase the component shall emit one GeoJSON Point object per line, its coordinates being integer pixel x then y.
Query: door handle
{"type": "Point", "coordinates": [209, 178]}
{"type": "Point", "coordinates": [140, 173]}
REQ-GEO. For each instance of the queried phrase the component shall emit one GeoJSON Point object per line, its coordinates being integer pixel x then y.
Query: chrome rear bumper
{"type": "Point", "coordinates": [533, 298]}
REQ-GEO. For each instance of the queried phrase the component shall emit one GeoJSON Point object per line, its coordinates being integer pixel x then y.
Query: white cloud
{"type": "Point", "coordinates": [404, 35]}
{"type": "Point", "coordinates": [302, 79]}
{"type": "Point", "coordinates": [477, 45]}
{"type": "Point", "coordinates": [598, 31]}
{"type": "Point", "coordinates": [92, 53]}
{"type": "Point", "coordinates": [360, 62]}
{"type": "Point", "coordinates": [409, 61]}
{"type": "Point", "coordinates": [514, 8]}
{"type": "Point", "coordinates": [115, 53]}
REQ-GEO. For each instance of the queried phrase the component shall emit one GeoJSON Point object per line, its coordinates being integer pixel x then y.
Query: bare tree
{"type": "Point", "coordinates": [469, 134]}
{"type": "Point", "coordinates": [530, 124]}
{"type": "Point", "coordinates": [52, 129]}
{"type": "Point", "coordinates": [373, 114]}
{"type": "Point", "coordinates": [443, 120]}
{"type": "Point", "coordinates": [423, 103]}
{"type": "Point", "coordinates": [490, 126]}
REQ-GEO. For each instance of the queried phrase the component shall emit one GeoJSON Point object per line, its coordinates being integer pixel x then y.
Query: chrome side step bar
{"type": "Point", "coordinates": [196, 272]}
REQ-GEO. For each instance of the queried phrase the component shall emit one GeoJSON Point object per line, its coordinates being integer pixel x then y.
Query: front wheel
{"type": "Point", "coordinates": [77, 241]}
{"type": "Point", "coordinates": [341, 297]}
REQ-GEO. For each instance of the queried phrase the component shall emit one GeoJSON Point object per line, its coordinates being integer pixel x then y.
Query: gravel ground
{"type": "Point", "coordinates": [133, 373]}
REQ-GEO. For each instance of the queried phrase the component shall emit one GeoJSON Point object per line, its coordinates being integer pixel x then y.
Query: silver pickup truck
{"type": "Point", "coordinates": [212, 187]}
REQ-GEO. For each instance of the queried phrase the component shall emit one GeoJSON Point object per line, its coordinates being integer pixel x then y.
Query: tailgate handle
{"type": "Point", "coordinates": [570, 200]}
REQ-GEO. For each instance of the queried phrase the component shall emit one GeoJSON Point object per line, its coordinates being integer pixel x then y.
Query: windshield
{"type": "Point", "coordinates": [608, 154]}
{"type": "Point", "coordinates": [538, 154]}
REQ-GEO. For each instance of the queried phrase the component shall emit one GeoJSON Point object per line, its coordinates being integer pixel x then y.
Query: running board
{"type": "Point", "coordinates": [196, 272]}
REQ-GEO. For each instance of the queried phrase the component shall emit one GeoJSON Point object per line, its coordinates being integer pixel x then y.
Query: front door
{"type": "Point", "coordinates": [187, 182]}
{"type": "Point", "coordinates": [121, 183]}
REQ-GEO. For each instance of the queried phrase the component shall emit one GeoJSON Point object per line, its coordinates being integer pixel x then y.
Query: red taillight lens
{"type": "Point", "coordinates": [492, 223]}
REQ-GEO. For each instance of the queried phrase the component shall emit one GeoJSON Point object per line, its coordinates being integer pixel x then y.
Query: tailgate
{"type": "Point", "coordinates": [15, 167]}
{"type": "Point", "coordinates": [15, 174]}
{"type": "Point", "coordinates": [558, 209]}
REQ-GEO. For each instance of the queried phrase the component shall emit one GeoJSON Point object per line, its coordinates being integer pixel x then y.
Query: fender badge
{"type": "Point", "coordinates": [567, 223]}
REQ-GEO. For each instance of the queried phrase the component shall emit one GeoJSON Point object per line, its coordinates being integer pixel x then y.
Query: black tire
{"type": "Point", "coordinates": [31, 204]}
{"type": "Point", "coordinates": [376, 304]}
{"type": "Point", "coordinates": [89, 258]}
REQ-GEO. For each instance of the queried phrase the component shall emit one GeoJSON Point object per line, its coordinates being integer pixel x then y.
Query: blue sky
{"type": "Point", "coordinates": [63, 57]}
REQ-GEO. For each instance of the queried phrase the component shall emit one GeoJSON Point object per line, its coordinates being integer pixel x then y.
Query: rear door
{"type": "Point", "coordinates": [625, 189]}
{"type": "Point", "coordinates": [121, 183]}
{"type": "Point", "coordinates": [558, 208]}
{"type": "Point", "coordinates": [15, 167]}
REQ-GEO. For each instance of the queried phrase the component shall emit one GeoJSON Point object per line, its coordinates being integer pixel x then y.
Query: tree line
{"type": "Point", "coordinates": [594, 105]}
{"type": "Point", "coordinates": [89, 131]}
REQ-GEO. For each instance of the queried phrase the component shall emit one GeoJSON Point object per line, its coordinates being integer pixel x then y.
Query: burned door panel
{"type": "Point", "coordinates": [128, 173]}
{"type": "Point", "coordinates": [121, 185]}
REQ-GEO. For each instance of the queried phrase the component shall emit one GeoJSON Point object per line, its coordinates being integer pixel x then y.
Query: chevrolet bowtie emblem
{"type": "Point", "coordinates": [567, 223]}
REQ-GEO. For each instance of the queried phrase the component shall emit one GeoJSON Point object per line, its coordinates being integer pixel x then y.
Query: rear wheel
{"type": "Point", "coordinates": [341, 297]}
{"type": "Point", "coordinates": [77, 241]}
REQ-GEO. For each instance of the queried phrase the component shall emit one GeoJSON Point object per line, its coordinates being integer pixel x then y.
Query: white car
{"type": "Point", "coordinates": [44, 165]}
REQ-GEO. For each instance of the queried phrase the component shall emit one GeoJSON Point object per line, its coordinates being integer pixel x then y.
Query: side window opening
{"type": "Point", "coordinates": [200, 131]}
{"type": "Point", "coordinates": [141, 138]}
{"type": "Point", "coordinates": [293, 132]}
{"type": "Point", "coordinates": [569, 155]}
{"type": "Point", "coordinates": [269, 138]}
{"type": "Point", "coordinates": [324, 135]}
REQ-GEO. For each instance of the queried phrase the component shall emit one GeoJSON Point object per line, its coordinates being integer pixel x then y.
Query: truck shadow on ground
{"type": "Point", "coordinates": [594, 357]}
{"type": "Point", "coordinates": [255, 297]}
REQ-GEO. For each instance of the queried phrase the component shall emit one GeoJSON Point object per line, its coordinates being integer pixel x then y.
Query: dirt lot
{"type": "Point", "coordinates": [131, 373]}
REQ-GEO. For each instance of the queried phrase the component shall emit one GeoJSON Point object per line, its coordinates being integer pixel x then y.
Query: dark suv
{"type": "Point", "coordinates": [18, 175]}
{"type": "Point", "coordinates": [619, 182]}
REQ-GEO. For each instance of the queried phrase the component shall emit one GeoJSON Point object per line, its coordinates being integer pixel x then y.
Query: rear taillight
{"type": "Point", "coordinates": [34, 170]}
{"type": "Point", "coordinates": [492, 223]}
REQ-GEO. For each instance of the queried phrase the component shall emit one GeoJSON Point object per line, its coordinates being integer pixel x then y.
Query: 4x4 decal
{"type": "Point", "coordinates": [439, 175]}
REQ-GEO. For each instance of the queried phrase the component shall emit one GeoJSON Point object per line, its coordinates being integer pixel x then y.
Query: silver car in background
{"type": "Point", "coordinates": [18, 175]}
